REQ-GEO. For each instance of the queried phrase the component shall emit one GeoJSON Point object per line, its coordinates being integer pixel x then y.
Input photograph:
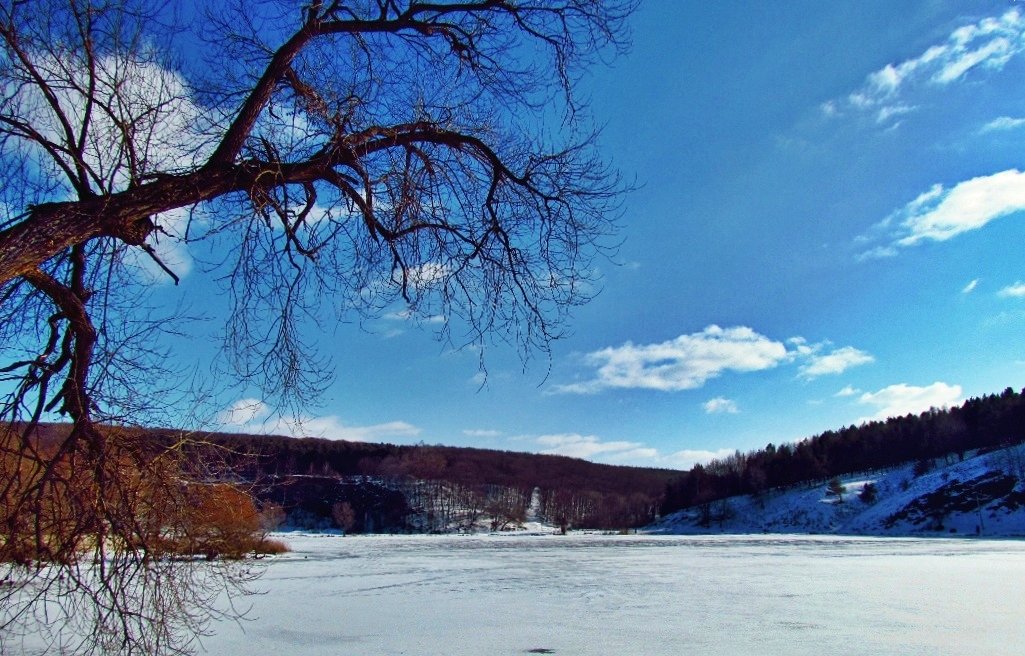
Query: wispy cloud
{"type": "Point", "coordinates": [847, 391]}
{"type": "Point", "coordinates": [243, 412]}
{"type": "Point", "coordinates": [423, 277]}
{"type": "Point", "coordinates": [255, 416]}
{"type": "Point", "coordinates": [689, 361]}
{"type": "Point", "coordinates": [940, 213]}
{"type": "Point", "coordinates": [720, 405]}
{"type": "Point", "coordinates": [1002, 124]}
{"type": "Point", "coordinates": [1017, 290]}
{"type": "Point", "coordinates": [970, 287]}
{"type": "Point", "coordinates": [901, 399]}
{"type": "Point", "coordinates": [986, 45]}
{"type": "Point", "coordinates": [333, 428]}
{"type": "Point", "coordinates": [834, 362]}
{"type": "Point", "coordinates": [596, 449]}
{"type": "Point", "coordinates": [588, 447]}
{"type": "Point", "coordinates": [481, 432]}
{"type": "Point", "coordinates": [877, 253]}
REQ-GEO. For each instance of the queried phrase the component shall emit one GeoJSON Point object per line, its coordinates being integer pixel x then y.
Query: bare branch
{"type": "Point", "coordinates": [353, 155]}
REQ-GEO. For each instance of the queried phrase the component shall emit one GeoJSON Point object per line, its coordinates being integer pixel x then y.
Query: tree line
{"type": "Point", "coordinates": [980, 423]}
{"type": "Point", "coordinates": [440, 488]}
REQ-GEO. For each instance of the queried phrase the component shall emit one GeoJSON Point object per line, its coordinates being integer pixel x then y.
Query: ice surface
{"type": "Point", "coordinates": [577, 595]}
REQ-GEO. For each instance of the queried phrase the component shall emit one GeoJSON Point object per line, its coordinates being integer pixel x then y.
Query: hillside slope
{"type": "Point", "coordinates": [982, 495]}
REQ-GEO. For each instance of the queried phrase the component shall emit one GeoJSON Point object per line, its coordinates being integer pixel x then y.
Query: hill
{"type": "Point", "coordinates": [368, 487]}
{"type": "Point", "coordinates": [986, 423]}
{"type": "Point", "coordinates": [982, 495]}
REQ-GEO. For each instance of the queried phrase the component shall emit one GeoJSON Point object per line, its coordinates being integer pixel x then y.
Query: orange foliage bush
{"type": "Point", "coordinates": [223, 521]}
{"type": "Point", "coordinates": [60, 503]}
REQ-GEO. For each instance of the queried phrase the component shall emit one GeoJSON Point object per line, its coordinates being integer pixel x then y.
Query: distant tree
{"type": "Point", "coordinates": [837, 489]}
{"type": "Point", "coordinates": [722, 512]}
{"type": "Point", "coordinates": [563, 523]}
{"type": "Point", "coordinates": [272, 516]}
{"type": "Point", "coordinates": [154, 519]}
{"type": "Point", "coordinates": [343, 515]}
{"type": "Point", "coordinates": [705, 514]}
{"type": "Point", "coordinates": [923, 466]}
{"type": "Point", "coordinates": [869, 493]}
{"type": "Point", "coordinates": [756, 480]}
{"type": "Point", "coordinates": [506, 507]}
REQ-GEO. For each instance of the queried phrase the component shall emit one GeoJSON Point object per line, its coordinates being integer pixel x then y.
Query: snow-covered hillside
{"type": "Point", "coordinates": [983, 495]}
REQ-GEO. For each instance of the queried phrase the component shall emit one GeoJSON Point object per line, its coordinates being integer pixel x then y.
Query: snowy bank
{"type": "Point", "coordinates": [983, 495]}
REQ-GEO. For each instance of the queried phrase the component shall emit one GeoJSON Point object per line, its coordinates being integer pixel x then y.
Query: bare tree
{"type": "Point", "coordinates": [326, 154]}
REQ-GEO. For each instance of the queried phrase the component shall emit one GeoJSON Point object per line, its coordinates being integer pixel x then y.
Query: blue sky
{"type": "Point", "coordinates": [827, 228]}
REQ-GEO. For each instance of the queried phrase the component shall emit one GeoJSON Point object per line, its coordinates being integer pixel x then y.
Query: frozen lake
{"type": "Point", "coordinates": [576, 595]}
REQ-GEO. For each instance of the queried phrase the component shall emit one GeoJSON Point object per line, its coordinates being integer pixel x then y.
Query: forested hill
{"type": "Point", "coordinates": [360, 486]}
{"type": "Point", "coordinates": [437, 488]}
{"type": "Point", "coordinates": [980, 423]}
{"type": "Point", "coordinates": [279, 456]}
{"type": "Point", "coordinates": [382, 487]}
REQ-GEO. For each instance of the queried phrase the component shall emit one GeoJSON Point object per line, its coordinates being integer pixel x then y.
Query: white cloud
{"type": "Point", "coordinates": [1002, 124]}
{"type": "Point", "coordinates": [689, 361]}
{"type": "Point", "coordinates": [586, 447]}
{"type": "Point", "coordinates": [847, 391]}
{"type": "Point", "coordinates": [639, 456]}
{"type": "Point", "coordinates": [243, 412]}
{"type": "Point", "coordinates": [993, 54]}
{"type": "Point", "coordinates": [686, 362]}
{"type": "Point", "coordinates": [424, 277]}
{"type": "Point", "coordinates": [988, 44]}
{"type": "Point", "coordinates": [878, 253]}
{"type": "Point", "coordinates": [156, 102]}
{"type": "Point", "coordinates": [167, 128]}
{"type": "Point", "coordinates": [901, 399]}
{"type": "Point", "coordinates": [592, 447]}
{"type": "Point", "coordinates": [886, 113]}
{"type": "Point", "coordinates": [255, 416]}
{"type": "Point", "coordinates": [940, 214]}
{"type": "Point", "coordinates": [720, 405]}
{"type": "Point", "coordinates": [970, 287]}
{"type": "Point", "coordinates": [834, 362]}
{"type": "Point", "coordinates": [333, 428]}
{"type": "Point", "coordinates": [1017, 290]}
{"type": "Point", "coordinates": [967, 206]}
{"type": "Point", "coordinates": [478, 432]}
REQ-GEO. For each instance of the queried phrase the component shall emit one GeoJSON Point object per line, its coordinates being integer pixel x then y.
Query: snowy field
{"type": "Point", "coordinates": [645, 595]}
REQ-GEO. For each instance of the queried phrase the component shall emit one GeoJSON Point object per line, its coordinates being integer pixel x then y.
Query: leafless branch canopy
{"type": "Point", "coordinates": [345, 154]}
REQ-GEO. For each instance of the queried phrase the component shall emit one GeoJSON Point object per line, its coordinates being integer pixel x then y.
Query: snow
{"type": "Point", "coordinates": [743, 591]}
{"type": "Point", "coordinates": [642, 594]}
{"type": "Point", "coordinates": [901, 507]}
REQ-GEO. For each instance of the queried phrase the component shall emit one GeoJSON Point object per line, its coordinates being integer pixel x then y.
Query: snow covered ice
{"type": "Point", "coordinates": [594, 594]}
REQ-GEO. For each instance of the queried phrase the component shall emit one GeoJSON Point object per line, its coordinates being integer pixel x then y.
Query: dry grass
{"type": "Point", "coordinates": [271, 547]}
